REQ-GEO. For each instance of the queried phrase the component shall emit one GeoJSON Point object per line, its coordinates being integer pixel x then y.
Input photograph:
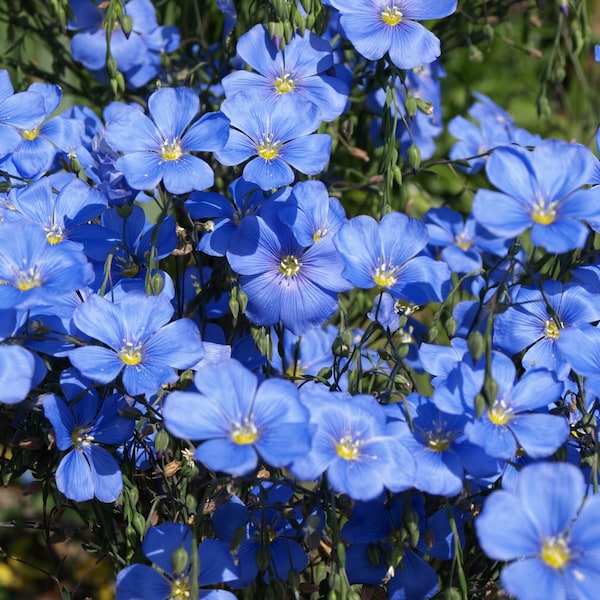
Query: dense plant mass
{"type": "Point", "coordinates": [299, 299]}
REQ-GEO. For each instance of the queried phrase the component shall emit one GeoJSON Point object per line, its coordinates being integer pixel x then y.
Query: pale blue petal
{"type": "Point", "coordinates": [172, 109]}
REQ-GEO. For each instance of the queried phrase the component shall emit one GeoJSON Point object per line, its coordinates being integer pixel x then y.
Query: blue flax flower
{"type": "Point", "coordinates": [270, 524]}
{"type": "Point", "coordinates": [141, 342]}
{"type": "Point", "coordinates": [302, 68]}
{"type": "Point", "coordinates": [17, 368]}
{"type": "Point", "coordinates": [169, 547]}
{"type": "Point", "coordinates": [519, 413]}
{"type": "Point", "coordinates": [36, 273]}
{"type": "Point", "coordinates": [157, 148]}
{"type": "Point", "coordinates": [385, 254]}
{"type": "Point", "coordinates": [237, 419]}
{"type": "Point", "coordinates": [138, 54]}
{"type": "Point", "coordinates": [275, 138]}
{"type": "Point", "coordinates": [551, 541]}
{"type": "Point", "coordinates": [377, 27]}
{"type": "Point", "coordinates": [540, 189]}
{"type": "Point", "coordinates": [441, 449]}
{"type": "Point", "coordinates": [352, 446]}
{"type": "Point", "coordinates": [283, 279]}
{"type": "Point", "coordinates": [377, 530]}
{"type": "Point", "coordinates": [17, 112]}
{"type": "Point", "coordinates": [81, 426]}
{"type": "Point", "coordinates": [536, 319]}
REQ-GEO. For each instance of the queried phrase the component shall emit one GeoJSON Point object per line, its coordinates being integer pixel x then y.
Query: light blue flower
{"type": "Point", "coordinates": [541, 189]}
{"type": "Point", "coordinates": [237, 419]}
{"type": "Point", "coordinates": [540, 527]}
{"type": "Point", "coordinates": [377, 27]}
{"type": "Point", "coordinates": [141, 342]}
{"type": "Point", "coordinates": [157, 148]}
{"type": "Point", "coordinates": [276, 138]}
{"type": "Point", "coordinates": [302, 68]}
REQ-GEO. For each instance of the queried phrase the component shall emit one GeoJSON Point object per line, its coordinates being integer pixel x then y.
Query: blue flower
{"type": "Point", "coordinates": [157, 148]}
{"type": "Point", "coordinates": [276, 138]}
{"type": "Point", "coordinates": [496, 128]}
{"type": "Point", "coordinates": [63, 217]}
{"type": "Point", "coordinates": [536, 319]}
{"type": "Point", "coordinates": [225, 215]}
{"type": "Point", "coordinates": [17, 112]}
{"type": "Point", "coordinates": [377, 530]}
{"type": "Point", "coordinates": [302, 68]}
{"type": "Point", "coordinates": [271, 525]}
{"type": "Point", "coordinates": [137, 55]}
{"type": "Point", "coordinates": [141, 342]}
{"type": "Point", "coordinates": [441, 451]}
{"type": "Point", "coordinates": [283, 279]}
{"type": "Point", "coordinates": [169, 547]}
{"type": "Point", "coordinates": [462, 241]}
{"type": "Point", "coordinates": [540, 526]}
{"type": "Point", "coordinates": [81, 426]}
{"type": "Point", "coordinates": [352, 446]}
{"type": "Point", "coordinates": [377, 27]}
{"type": "Point", "coordinates": [237, 419]}
{"type": "Point", "coordinates": [17, 369]}
{"type": "Point", "coordinates": [385, 254]}
{"type": "Point", "coordinates": [540, 189]}
{"type": "Point", "coordinates": [36, 273]}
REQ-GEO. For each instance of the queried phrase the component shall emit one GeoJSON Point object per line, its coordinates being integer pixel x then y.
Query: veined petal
{"type": "Point", "coordinates": [509, 169]}
{"type": "Point", "coordinates": [108, 480]}
{"type": "Point", "coordinates": [97, 363]}
{"type": "Point", "coordinates": [503, 215]}
{"type": "Point", "coordinates": [308, 154]}
{"type": "Point", "coordinates": [165, 345]}
{"type": "Point", "coordinates": [504, 531]}
{"type": "Point", "coordinates": [413, 45]}
{"type": "Point", "coordinates": [423, 10]}
{"type": "Point", "coordinates": [143, 170]}
{"type": "Point", "coordinates": [208, 134]}
{"type": "Point", "coordinates": [74, 477]}
{"type": "Point", "coordinates": [539, 434]}
{"type": "Point", "coordinates": [268, 174]}
{"type": "Point", "coordinates": [172, 109]}
{"type": "Point", "coordinates": [224, 455]}
{"type": "Point", "coordinates": [186, 174]}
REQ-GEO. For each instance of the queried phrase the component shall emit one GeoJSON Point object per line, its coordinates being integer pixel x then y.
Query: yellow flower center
{"type": "Point", "coordinates": [27, 280]}
{"type": "Point", "coordinates": [438, 443]}
{"type": "Point", "coordinates": [319, 234]}
{"type": "Point", "coordinates": [391, 15]}
{"type": "Point", "coordinates": [30, 134]}
{"type": "Point", "coordinates": [463, 242]}
{"type": "Point", "coordinates": [385, 275]}
{"type": "Point", "coordinates": [552, 329]}
{"type": "Point", "coordinates": [268, 148]}
{"type": "Point", "coordinates": [348, 448]}
{"type": "Point", "coordinates": [499, 414]}
{"type": "Point", "coordinates": [171, 150]}
{"type": "Point", "coordinates": [81, 437]}
{"type": "Point", "coordinates": [284, 84]}
{"type": "Point", "coordinates": [180, 590]}
{"type": "Point", "coordinates": [289, 266]}
{"type": "Point", "coordinates": [245, 433]}
{"type": "Point", "coordinates": [543, 213]}
{"type": "Point", "coordinates": [55, 234]}
{"type": "Point", "coordinates": [130, 353]}
{"type": "Point", "coordinates": [555, 552]}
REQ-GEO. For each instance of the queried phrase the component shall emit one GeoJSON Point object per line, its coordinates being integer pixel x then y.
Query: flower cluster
{"type": "Point", "coordinates": [267, 375]}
